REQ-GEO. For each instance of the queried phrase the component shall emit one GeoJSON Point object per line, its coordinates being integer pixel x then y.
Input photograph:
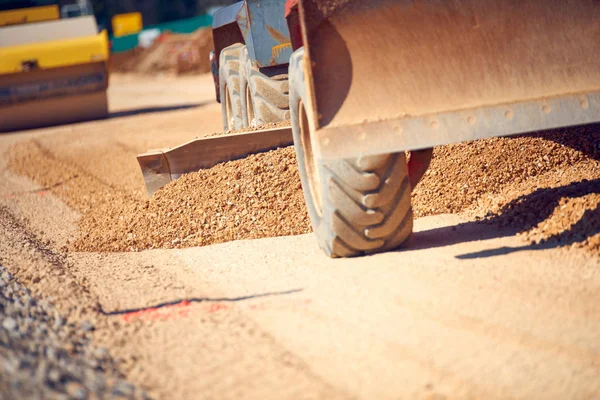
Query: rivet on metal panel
{"type": "Point", "coordinates": [325, 141]}
{"type": "Point", "coordinates": [362, 136]}
{"type": "Point", "coordinates": [546, 109]}
{"type": "Point", "coordinates": [471, 120]}
{"type": "Point", "coordinates": [313, 64]}
{"type": "Point", "coordinates": [435, 124]}
{"type": "Point", "coordinates": [509, 114]}
{"type": "Point", "coordinates": [397, 129]}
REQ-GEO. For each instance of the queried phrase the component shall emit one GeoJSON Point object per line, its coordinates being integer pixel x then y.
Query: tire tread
{"type": "Point", "coordinates": [366, 201]}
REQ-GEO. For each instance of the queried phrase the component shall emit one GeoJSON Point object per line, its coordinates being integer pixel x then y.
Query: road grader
{"type": "Point", "coordinates": [371, 86]}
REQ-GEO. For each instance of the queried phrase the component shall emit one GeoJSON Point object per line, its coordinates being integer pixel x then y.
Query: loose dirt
{"type": "Point", "coordinates": [270, 125]}
{"type": "Point", "coordinates": [533, 183]}
{"type": "Point", "coordinates": [253, 319]}
{"type": "Point", "coordinates": [544, 185]}
{"type": "Point", "coordinates": [256, 197]}
{"type": "Point", "coordinates": [54, 353]}
{"type": "Point", "coordinates": [44, 356]}
{"type": "Point", "coordinates": [467, 175]}
{"type": "Point", "coordinates": [176, 54]}
{"type": "Point", "coordinates": [77, 188]}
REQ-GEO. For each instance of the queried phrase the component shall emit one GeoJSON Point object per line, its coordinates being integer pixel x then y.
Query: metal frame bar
{"type": "Point", "coordinates": [457, 126]}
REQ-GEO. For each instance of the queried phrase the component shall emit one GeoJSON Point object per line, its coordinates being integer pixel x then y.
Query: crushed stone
{"type": "Point", "coordinates": [527, 182]}
{"type": "Point", "coordinates": [43, 356]}
{"type": "Point", "coordinates": [259, 196]}
{"type": "Point", "coordinates": [270, 125]}
{"type": "Point", "coordinates": [532, 183]}
{"type": "Point", "coordinates": [462, 176]}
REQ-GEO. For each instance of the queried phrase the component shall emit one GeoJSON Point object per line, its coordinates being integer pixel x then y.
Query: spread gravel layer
{"type": "Point", "coordinates": [42, 356]}
{"type": "Point", "coordinates": [544, 185]}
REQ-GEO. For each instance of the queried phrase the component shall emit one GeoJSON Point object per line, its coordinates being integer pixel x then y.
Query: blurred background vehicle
{"type": "Point", "coordinates": [53, 64]}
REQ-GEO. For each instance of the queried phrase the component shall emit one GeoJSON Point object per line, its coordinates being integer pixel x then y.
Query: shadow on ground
{"type": "Point", "coordinates": [151, 110]}
{"type": "Point", "coordinates": [520, 215]}
{"type": "Point", "coordinates": [583, 138]}
{"type": "Point", "coordinates": [113, 115]}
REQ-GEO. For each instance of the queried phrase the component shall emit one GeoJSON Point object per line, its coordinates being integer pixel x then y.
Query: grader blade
{"type": "Point", "coordinates": [160, 167]}
{"type": "Point", "coordinates": [389, 76]}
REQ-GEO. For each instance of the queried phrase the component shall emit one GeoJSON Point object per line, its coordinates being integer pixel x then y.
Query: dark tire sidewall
{"type": "Point", "coordinates": [297, 95]}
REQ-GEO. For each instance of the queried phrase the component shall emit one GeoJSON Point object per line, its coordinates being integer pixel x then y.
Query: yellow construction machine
{"type": "Point", "coordinates": [53, 64]}
{"type": "Point", "coordinates": [365, 82]}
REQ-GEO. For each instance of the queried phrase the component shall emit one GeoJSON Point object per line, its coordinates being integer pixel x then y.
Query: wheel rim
{"type": "Point", "coordinates": [314, 182]}
{"type": "Point", "coordinates": [250, 108]}
{"type": "Point", "coordinates": [228, 110]}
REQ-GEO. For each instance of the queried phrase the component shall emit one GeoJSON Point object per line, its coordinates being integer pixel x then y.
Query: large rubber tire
{"type": "Point", "coordinates": [357, 206]}
{"type": "Point", "coordinates": [229, 82]}
{"type": "Point", "coordinates": [265, 98]}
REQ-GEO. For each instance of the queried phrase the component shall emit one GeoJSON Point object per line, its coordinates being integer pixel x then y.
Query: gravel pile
{"type": "Point", "coordinates": [256, 197]}
{"type": "Point", "coordinates": [43, 356]}
{"type": "Point", "coordinates": [464, 176]}
{"type": "Point", "coordinates": [564, 215]}
{"type": "Point", "coordinates": [545, 185]}
{"type": "Point", "coordinates": [561, 229]}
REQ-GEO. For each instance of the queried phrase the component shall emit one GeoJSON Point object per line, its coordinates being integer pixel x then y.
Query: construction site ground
{"type": "Point", "coordinates": [470, 309]}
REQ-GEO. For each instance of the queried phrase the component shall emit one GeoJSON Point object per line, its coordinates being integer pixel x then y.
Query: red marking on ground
{"type": "Point", "coordinates": [260, 306]}
{"type": "Point", "coordinates": [215, 307]}
{"type": "Point", "coordinates": [41, 193]}
{"type": "Point", "coordinates": [179, 310]}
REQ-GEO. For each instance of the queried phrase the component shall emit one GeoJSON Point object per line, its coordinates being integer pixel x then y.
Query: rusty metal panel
{"type": "Point", "coordinates": [268, 37]}
{"type": "Point", "coordinates": [389, 64]}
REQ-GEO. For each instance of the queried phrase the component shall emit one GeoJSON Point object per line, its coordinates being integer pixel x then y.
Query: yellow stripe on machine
{"type": "Point", "coordinates": [60, 53]}
{"type": "Point", "coordinates": [27, 15]}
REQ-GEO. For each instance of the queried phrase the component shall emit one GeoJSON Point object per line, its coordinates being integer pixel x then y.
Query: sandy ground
{"type": "Point", "coordinates": [467, 311]}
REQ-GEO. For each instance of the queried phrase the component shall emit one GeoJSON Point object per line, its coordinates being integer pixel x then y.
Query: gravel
{"type": "Point", "coordinates": [543, 185]}
{"type": "Point", "coordinates": [256, 197]}
{"type": "Point", "coordinates": [270, 125]}
{"type": "Point", "coordinates": [41, 356]}
{"type": "Point", "coordinates": [464, 176]}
